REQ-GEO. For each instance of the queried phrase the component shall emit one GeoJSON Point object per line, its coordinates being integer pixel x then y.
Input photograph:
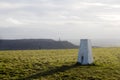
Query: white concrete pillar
{"type": "Point", "coordinates": [85, 52]}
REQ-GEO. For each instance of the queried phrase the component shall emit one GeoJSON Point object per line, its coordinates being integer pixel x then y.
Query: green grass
{"type": "Point", "coordinates": [59, 65]}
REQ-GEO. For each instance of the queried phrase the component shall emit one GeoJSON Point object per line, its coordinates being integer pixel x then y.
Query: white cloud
{"type": "Point", "coordinates": [94, 4]}
{"type": "Point", "coordinates": [110, 17]}
{"type": "Point", "coordinates": [7, 5]}
{"type": "Point", "coordinates": [14, 21]}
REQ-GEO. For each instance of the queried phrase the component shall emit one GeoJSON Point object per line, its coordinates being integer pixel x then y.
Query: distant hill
{"type": "Point", "coordinates": [30, 44]}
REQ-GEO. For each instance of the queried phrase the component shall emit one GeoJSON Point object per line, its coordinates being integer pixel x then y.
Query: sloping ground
{"type": "Point", "coordinates": [35, 44]}
{"type": "Point", "coordinates": [59, 65]}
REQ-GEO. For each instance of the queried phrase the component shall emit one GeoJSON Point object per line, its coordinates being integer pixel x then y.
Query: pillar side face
{"type": "Point", "coordinates": [85, 52]}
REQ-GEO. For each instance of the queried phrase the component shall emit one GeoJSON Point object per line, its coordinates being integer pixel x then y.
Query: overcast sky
{"type": "Point", "coordinates": [67, 19]}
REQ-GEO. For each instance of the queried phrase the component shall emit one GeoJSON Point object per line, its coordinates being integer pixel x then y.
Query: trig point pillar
{"type": "Point", "coordinates": [85, 52]}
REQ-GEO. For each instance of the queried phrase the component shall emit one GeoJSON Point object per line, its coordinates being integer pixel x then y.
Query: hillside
{"type": "Point", "coordinates": [30, 44]}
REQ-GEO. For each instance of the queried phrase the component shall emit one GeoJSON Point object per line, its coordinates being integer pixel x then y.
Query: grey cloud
{"type": "Point", "coordinates": [47, 18]}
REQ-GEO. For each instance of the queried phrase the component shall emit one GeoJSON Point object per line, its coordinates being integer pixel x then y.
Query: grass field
{"type": "Point", "coordinates": [59, 65]}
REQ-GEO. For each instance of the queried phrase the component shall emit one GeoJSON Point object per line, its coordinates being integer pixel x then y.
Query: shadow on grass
{"type": "Point", "coordinates": [53, 71]}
